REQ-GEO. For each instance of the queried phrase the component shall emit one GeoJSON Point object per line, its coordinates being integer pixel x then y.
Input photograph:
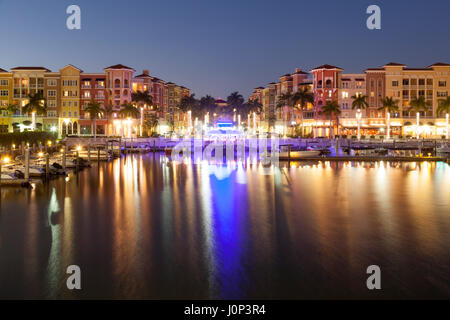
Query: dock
{"type": "Point", "coordinates": [366, 158]}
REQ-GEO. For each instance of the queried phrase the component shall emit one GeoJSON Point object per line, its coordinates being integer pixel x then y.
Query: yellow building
{"type": "Point", "coordinates": [405, 84]}
{"type": "Point", "coordinates": [69, 113]}
{"type": "Point", "coordinates": [5, 100]}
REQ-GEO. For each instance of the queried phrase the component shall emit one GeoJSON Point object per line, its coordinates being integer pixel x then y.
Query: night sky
{"type": "Point", "coordinates": [216, 47]}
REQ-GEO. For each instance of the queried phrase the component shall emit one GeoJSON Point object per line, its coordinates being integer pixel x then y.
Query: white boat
{"type": "Point", "coordinates": [7, 177]}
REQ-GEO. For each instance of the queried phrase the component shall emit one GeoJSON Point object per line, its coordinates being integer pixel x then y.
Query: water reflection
{"type": "Point", "coordinates": [145, 227]}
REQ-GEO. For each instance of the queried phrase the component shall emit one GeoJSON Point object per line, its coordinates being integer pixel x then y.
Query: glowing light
{"type": "Point", "coordinates": [49, 143]}
{"type": "Point", "coordinates": [40, 154]}
{"type": "Point", "coordinates": [78, 148]}
{"type": "Point", "coordinates": [6, 160]}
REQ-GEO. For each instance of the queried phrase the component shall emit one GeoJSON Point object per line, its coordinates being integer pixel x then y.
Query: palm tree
{"type": "Point", "coordinates": [271, 119]}
{"type": "Point", "coordinates": [417, 105]}
{"type": "Point", "coordinates": [303, 96]}
{"type": "Point", "coordinates": [109, 110]}
{"type": "Point", "coordinates": [444, 107]}
{"type": "Point", "coordinates": [36, 105]}
{"type": "Point", "coordinates": [359, 102]}
{"type": "Point", "coordinates": [142, 98]}
{"type": "Point", "coordinates": [208, 104]}
{"type": "Point", "coordinates": [152, 122]}
{"type": "Point", "coordinates": [95, 111]}
{"type": "Point", "coordinates": [390, 105]}
{"type": "Point", "coordinates": [331, 108]}
{"type": "Point", "coordinates": [235, 101]}
{"type": "Point", "coordinates": [286, 100]}
{"type": "Point", "coordinates": [11, 108]}
{"type": "Point", "coordinates": [129, 111]}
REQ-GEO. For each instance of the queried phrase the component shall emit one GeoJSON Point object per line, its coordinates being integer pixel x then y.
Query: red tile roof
{"type": "Point", "coordinates": [119, 66]}
{"type": "Point", "coordinates": [31, 68]}
{"type": "Point", "coordinates": [327, 66]}
{"type": "Point", "coordinates": [439, 64]}
{"type": "Point", "coordinates": [394, 64]}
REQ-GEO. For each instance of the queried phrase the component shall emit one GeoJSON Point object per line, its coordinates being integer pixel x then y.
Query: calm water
{"type": "Point", "coordinates": [143, 227]}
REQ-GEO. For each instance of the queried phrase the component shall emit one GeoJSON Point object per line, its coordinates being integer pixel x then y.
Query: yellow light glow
{"type": "Point", "coordinates": [6, 159]}
{"type": "Point", "coordinates": [40, 154]}
{"type": "Point", "coordinates": [79, 148]}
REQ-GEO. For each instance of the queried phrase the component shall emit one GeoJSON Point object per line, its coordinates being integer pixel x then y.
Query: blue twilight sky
{"type": "Point", "coordinates": [215, 46]}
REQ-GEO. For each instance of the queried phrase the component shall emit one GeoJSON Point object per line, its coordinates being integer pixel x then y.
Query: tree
{"type": "Point", "coordinates": [359, 102]}
{"type": "Point", "coordinates": [152, 122]}
{"type": "Point", "coordinates": [417, 105]}
{"type": "Point", "coordinates": [329, 109]}
{"type": "Point", "coordinates": [11, 108]}
{"type": "Point", "coordinates": [252, 106]}
{"type": "Point", "coordinates": [444, 107]}
{"type": "Point", "coordinates": [142, 98]}
{"type": "Point", "coordinates": [286, 100]}
{"type": "Point", "coordinates": [36, 105]}
{"type": "Point", "coordinates": [208, 105]}
{"type": "Point", "coordinates": [95, 111]}
{"type": "Point", "coordinates": [390, 105]}
{"type": "Point", "coordinates": [271, 119]}
{"type": "Point", "coordinates": [303, 96]}
{"type": "Point", "coordinates": [235, 101]}
{"type": "Point", "coordinates": [129, 111]}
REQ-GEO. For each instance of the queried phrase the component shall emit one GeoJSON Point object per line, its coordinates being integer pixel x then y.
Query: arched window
{"type": "Point", "coordinates": [319, 85]}
{"type": "Point", "coordinates": [64, 128]}
{"type": "Point", "coordinates": [125, 83]}
{"type": "Point", "coordinates": [75, 128]}
{"type": "Point", "coordinates": [117, 83]}
{"type": "Point", "coordinates": [328, 83]}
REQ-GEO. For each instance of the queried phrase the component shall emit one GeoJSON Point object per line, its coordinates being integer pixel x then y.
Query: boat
{"type": "Point", "coordinates": [302, 153]}
{"type": "Point", "coordinates": [6, 176]}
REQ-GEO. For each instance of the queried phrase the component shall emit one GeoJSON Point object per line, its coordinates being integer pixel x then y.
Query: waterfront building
{"type": "Point", "coordinates": [406, 84]}
{"type": "Point", "coordinates": [28, 81]}
{"type": "Point", "coordinates": [70, 100]}
{"type": "Point", "coordinates": [325, 88]}
{"type": "Point", "coordinates": [5, 100]}
{"type": "Point", "coordinates": [52, 94]}
{"type": "Point", "coordinates": [93, 87]}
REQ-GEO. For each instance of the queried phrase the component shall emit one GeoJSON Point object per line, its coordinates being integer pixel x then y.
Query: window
{"type": "Point", "coordinates": [51, 103]}
{"type": "Point", "coordinates": [51, 93]}
{"type": "Point", "coordinates": [51, 82]}
{"type": "Point", "coordinates": [64, 104]}
{"type": "Point", "coordinates": [51, 113]}
{"type": "Point", "coordinates": [429, 82]}
{"type": "Point", "coordinates": [70, 103]}
{"type": "Point", "coordinates": [414, 82]}
{"type": "Point", "coordinates": [421, 82]}
{"type": "Point", "coordinates": [395, 83]}
{"type": "Point", "coordinates": [4, 93]}
{"type": "Point", "coordinates": [442, 94]}
{"type": "Point", "coordinates": [406, 82]}
{"type": "Point", "coordinates": [74, 113]}
{"type": "Point", "coordinates": [4, 82]}
{"type": "Point", "coordinates": [344, 95]}
{"type": "Point", "coordinates": [442, 83]}
{"type": "Point", "coordinates": [75, 104]}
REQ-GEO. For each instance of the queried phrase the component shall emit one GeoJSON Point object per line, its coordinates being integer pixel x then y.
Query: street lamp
{"type": "Point", "coordinates": [358, 118]}
{"type": "Point", "coordinates": [448, 129]}
{"type": "Point", "coordinates": [388, 125]}
{"type": "Point", "coordinates": [417, 125]}
{"type": "Point", "coordinates": [142, 122]}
